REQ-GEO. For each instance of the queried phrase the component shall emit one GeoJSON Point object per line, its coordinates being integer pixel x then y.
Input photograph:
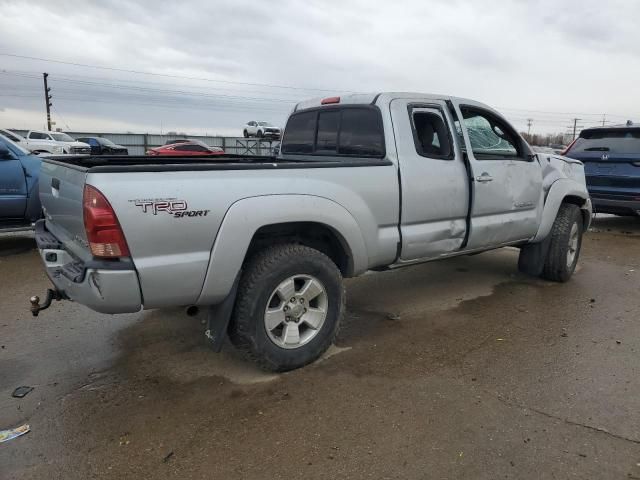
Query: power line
{"type": "Point", "coordinates": [166, 75]}
{"type": "Point", "coordinates": [554, 114]}
{"type": "Point", "coordinates": [144, 89]}
{"type": "Point", "coordinates": [139, 82]}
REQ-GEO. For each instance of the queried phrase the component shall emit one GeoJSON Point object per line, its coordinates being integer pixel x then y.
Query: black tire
{"type": "Point", "coordinates": [262, 275]}
{"type": "Point", "coordinates": [245, 134]}
{"type": "Point", "coordinates": [260, 134]}
{"type": "Point", "coordinates": [557, 266]}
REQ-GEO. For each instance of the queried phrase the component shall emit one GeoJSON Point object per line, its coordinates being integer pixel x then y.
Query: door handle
{"type": "Point", "coordinates": [485, 177]}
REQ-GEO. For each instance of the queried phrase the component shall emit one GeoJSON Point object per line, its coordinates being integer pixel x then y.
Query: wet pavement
{"type": "Point", "coordinates": [456, 369]}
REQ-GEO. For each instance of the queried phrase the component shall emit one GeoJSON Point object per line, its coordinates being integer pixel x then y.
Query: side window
{"type": "Point", "coordinates": [361, 133]}
{"type": "Point", "coordinates": [490, 137]}
{"type": "Point", "coordinates": [93, 142]}
{"type": "Point", "coordinates": [38, 136]}
{"type": "Point", "coordinates": [431, 134]}
{"type": "Point", "coordinates": [328, 123]}
{"type": "Point", "coordinates": [299, 133]}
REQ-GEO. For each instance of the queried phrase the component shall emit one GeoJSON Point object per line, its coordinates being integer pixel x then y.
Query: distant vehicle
{"type": "Point", "coordinates": [261, 130]}
{"type": "Point", "coordinates": [19, 199]}
{"type": "Point", "coordinates": [191, 148]}
{"type": "Point", "coordinates": [611, 157]}
{"type": "Point", "coordinates": [42, 141]}
{"type": "Point", "coordinates": [177, 140]}
{"type": "Point", "coordinates": [103, 146]}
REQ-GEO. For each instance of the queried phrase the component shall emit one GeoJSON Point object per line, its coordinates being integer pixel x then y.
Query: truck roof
{"type": "Point", "coordinates": [383, 98]}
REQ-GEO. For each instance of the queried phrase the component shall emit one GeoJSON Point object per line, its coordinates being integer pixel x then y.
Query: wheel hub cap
{"type": "Point", "coordinates": [574, 239]}
{"type": "Point", "coordinates": [296, 311]}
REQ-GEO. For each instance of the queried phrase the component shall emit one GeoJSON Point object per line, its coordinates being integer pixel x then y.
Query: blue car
{"type": "Point", "coordinates": [19, 199]}
{"type": "Point", "coordinates": [611, 157]}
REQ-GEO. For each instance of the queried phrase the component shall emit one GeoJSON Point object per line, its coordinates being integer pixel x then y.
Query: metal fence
{"type": "Point", "coordinates": [139, 143]}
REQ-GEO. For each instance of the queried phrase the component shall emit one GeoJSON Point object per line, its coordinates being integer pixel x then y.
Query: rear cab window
{"type": "Point", "coordinates": [344, 131]}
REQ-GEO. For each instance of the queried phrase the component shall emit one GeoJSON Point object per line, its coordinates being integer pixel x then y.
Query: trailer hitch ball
{"type": "Point", "coordinates": [51, 295]}
{"type": "Point", "coordinates": [35, 305]}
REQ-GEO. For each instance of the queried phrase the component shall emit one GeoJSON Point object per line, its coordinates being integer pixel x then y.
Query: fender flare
{"type": "Point", "coordinates": [246, 216]}
{"type": "Point", "coordinates": [560, 189]}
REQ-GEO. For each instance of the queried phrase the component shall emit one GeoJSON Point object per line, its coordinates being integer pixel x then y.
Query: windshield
{"type": "Point", "coordinates": [105, 141]}
{"type": "Point", "coordinates": [62, 137]}
{"type": "Point", "coordinates": [620, 140]}
{"type": "Point", "coordinates": [14, 147]}
{"type": "Point", "coordinates": [265, 124]}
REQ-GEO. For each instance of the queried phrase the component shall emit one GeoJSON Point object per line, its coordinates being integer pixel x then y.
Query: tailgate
{"type": "Point", "coordinates": [61, 192]}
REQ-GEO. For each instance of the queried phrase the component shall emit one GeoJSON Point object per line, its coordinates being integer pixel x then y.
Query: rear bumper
{"type": "Point", "coordinates": [617, 205]}
{"type": "Point", "coordinates": [106, 287]}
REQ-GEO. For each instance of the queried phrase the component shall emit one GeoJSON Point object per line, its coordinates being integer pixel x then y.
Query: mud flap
{"type": "Point", "coordinates": [533, 256]}
{"type": "Point", "coordinates": [218, 318]}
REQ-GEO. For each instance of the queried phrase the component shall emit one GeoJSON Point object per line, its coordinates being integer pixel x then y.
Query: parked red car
{"type": "Point", "coordinates": [186, 149]}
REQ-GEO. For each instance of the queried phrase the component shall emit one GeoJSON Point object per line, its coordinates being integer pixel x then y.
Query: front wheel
{"type": "Point", "coordinates": [245, 134]}
{"type": "Point", "coordinates": [566, 241]}
{"type": "Point", "coordinates": [289, 307]}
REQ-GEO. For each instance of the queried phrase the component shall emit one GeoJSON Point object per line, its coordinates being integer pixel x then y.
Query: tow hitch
{"type": "Point", "coordinates": [51, 295]}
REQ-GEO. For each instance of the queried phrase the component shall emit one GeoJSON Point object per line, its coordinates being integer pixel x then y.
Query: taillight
{"type": "Point", "coordinates": [103, 230]}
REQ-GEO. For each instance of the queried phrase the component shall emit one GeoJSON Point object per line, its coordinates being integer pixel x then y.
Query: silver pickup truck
{"type": "Point", "coordinates": [362, 182]}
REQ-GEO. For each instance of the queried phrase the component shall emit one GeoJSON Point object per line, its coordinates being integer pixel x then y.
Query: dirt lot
{"type": "Point", "coordinates": [459, 369]}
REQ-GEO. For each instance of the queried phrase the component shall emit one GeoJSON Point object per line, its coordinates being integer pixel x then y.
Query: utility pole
{"type": "Point", "coordinates": [47, 100]}
{"type": "Point", "coordinates": [529, 123]}
{"type": "Point", "coordinates": [604, 119]}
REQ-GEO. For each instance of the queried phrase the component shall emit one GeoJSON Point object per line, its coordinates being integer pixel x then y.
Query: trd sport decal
{"type": "Point", "coordinates": [172, 206]}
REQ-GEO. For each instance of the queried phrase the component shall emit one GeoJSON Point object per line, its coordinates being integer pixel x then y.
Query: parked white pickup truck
{"type": "Point", "coordinates": [42, 141]}
{"type": "Point", "coordinates": [362, 182]}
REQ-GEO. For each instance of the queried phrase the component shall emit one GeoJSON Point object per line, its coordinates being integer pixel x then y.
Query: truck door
{"type": "Point", "coordinates": [433, 179]}
{"type": "Point", "coordinates": [13, 187]}
{"type": "Point", "coordinates": [507, 179]}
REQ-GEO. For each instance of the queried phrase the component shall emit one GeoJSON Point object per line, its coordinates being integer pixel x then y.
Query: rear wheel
{"type": "Point", "coordinates": [289, 307]}
{"type": "Point", "coordinates": [566, 241]}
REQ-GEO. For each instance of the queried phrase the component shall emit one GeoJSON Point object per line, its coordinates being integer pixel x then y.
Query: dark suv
{"type": "Point", "coordinates": [611, 157]}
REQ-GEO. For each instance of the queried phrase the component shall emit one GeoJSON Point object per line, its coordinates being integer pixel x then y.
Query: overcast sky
{"type": "Point", "coordinates": [220, 64]}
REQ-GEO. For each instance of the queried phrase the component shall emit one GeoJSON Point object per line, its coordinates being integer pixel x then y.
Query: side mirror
{"type": "Point", "coordinates": [5, 153]}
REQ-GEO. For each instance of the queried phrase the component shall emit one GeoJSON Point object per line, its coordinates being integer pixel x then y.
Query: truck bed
{"type": "Point", "coordinates": [174, 252]}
